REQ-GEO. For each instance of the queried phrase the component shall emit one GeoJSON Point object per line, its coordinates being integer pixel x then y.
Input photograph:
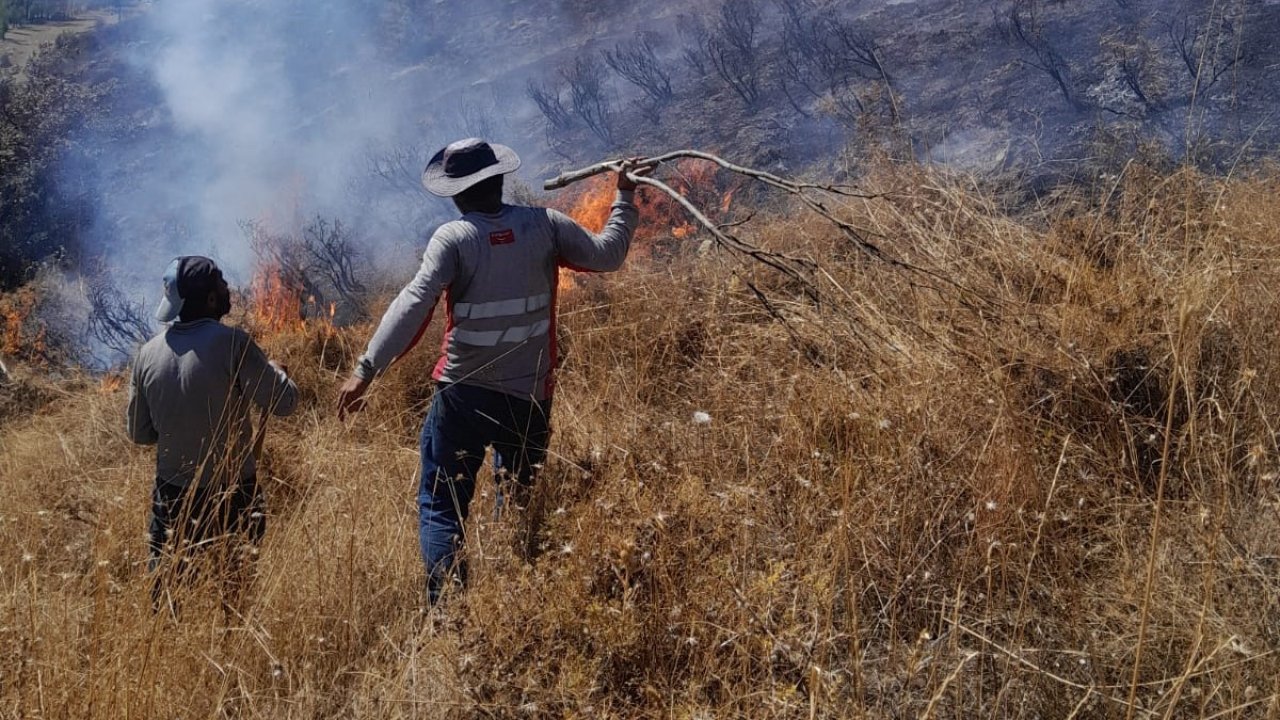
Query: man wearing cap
{"type": "Point", "coordinates": [190, 394]}
{"type": "Point", "coordinates": [497, 266]}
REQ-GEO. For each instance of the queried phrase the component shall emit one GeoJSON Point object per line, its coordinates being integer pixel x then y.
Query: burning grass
{"type": "Point", "coordinates": [21, 334]}
{"type": "Point", "coordinates": [1044, 487]}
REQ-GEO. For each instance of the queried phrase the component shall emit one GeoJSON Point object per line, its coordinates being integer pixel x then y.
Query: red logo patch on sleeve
{"type": "Point", "coordinates": [502, 237]}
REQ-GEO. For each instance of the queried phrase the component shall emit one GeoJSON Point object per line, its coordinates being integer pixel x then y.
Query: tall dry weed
{"type": "Point", "coordinates": [1037, 480]}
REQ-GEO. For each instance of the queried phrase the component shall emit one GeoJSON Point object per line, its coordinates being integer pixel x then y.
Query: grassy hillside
{"type": "Point", "coordinates": [1035, 479]}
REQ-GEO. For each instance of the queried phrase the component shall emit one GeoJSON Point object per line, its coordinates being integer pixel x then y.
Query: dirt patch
{"type": "Point", "coordinates": [22, 42]}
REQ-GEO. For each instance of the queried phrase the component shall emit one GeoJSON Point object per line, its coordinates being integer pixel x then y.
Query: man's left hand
{"type": "Point", "coordinates": [351, 397]}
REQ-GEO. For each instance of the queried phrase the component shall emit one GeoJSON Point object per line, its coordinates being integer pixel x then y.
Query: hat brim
{"type": "Point", "coordinates": [170, 301]}
{"type": "Point", "coordinates": [441, 185]}
{"type": "Point", "coordinates": [169, 310]}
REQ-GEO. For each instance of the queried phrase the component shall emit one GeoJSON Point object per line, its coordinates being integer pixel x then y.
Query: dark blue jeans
{"type": "Point", "coordinates": [462, 422]}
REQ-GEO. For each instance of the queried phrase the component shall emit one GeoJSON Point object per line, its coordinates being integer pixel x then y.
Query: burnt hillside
{"type": "Point", "coordinates": [203, 117]}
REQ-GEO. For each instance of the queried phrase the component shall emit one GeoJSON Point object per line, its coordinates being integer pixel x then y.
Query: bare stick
{"type": "Point", "coordinates": [811, 194]}
{"type": "Point", "coordinates": [785, 264]}
{"type": "Point", "coordinates": [566, 179]}
{"type": "Point", "coordinates": [781, 183]}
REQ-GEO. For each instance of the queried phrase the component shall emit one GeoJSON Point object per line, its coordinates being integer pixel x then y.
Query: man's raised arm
{"type": "Point", "coordinates": [581, 250]}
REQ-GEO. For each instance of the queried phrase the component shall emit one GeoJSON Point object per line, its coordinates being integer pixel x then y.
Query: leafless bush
{"type": "Point", "coordinates": [590, 103]}
{"type": "Point", "coordinates": [280, 252]}
{"type": "Point", "coordinates": [800, 74]}
{"type": "Point", "coordinates": [638, 63]}
{"type": "Point", "coordinates": [1132, 72]}
{"type": "Point", "coordinates": [1025, 29]}
{"type": "Point", "coordinates": [1207, 44]}
{"type": "Point", "coordinates": [589, 97]}
{"type": "Point", "coordinates": [693, 34]}
{"type": "Point", "coordinates": [117, 322]}
{"type": "Point", "coordinates": [558, 118]}
{"type": "Point", "coordinates": [320, 266]}
{"type": "Point", "coordinates": [389, 190]}
{"type": "Point", "coordinates": [477, 115]}
{"type": "Point", "coordinates": [827, 58]}
{"type": "Point", "coordinates": [332, 256]}
{"type": "Point", "coordinates": [732, 47]}
{"type": "Point", "coordinates": [398, 168]}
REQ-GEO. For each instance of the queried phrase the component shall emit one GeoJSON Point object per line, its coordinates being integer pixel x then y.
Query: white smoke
{"type": "Point", "coordinates": [280, 111]}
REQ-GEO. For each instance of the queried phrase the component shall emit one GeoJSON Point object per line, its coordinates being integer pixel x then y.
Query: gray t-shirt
{"type": "Point", "coordinates": [499, 273]}
{"type": "Point", "coordinates": [190, 394]}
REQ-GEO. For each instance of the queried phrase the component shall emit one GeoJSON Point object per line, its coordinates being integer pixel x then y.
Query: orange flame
{"type": "Point", "coordinates": [728, 200]}
{"type": "Point", "coordinates": [110, 383]}
{"type": "Point", "coordinates": [22, 336]}
{"type": "Point", "coordinates": [661, 217]}
{"type": "Point", "coordinates": [590, 209]}
{"type": "Point", "coordinates": [276, 303]}
{"type": "Point", "coordinates": [15, 316]}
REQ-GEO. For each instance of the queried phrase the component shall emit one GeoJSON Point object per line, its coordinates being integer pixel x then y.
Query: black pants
{"type": "Point", "coordinates": [186, 522]}
{"type": "Point", "coordinates": [187, 519]}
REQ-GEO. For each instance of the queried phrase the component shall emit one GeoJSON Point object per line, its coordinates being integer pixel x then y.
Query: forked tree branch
{"type": "Point", "coordinates": [811, 194]}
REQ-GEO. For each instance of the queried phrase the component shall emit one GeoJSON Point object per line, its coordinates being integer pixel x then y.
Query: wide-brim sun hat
{"type": "Point", "coordinates": [466, 162]}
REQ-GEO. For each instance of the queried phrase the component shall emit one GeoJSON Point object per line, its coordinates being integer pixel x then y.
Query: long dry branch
{"type": "Point", "coordinates": [792, 267]}
{"type": "Point", "coordinates": [805, 191]}
{"type": "Point", "coordinates": [572, 176]}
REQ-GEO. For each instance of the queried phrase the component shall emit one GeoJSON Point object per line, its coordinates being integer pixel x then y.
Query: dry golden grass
{"type": "Point", "coordinates": [1041, 484]}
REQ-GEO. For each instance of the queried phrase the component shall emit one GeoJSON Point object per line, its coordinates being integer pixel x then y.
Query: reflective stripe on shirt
{"type": "Point", "coordinates": [489, 338]}
{"type": "Point", "coordinates": [501, 308]}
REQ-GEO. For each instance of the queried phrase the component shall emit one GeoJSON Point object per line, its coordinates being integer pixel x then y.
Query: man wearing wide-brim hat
{"type": "Point", "coordinates": [499, 264]}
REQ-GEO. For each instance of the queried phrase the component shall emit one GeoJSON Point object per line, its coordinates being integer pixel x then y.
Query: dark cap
{"type": "Point", "coordinates": [186, 277]}
{"type": "Point", "coordinates": [465, 163]}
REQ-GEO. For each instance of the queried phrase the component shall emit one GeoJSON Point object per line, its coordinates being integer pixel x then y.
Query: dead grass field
{"type": "Point", "coordinates": [1039, 483]}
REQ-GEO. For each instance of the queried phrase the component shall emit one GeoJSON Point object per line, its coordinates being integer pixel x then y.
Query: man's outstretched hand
{"type": "Point", "coordinates": [351, 397]}
{"type": "Point", "coordinates": [634, 167]}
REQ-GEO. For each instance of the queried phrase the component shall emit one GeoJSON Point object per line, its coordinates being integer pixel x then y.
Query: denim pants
{"type": "Point", "coordinates": [462, 422]}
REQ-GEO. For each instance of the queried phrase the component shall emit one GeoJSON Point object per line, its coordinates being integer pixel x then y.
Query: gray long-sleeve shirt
{"type": "Point", "coordinates": [190, 394]}
{"type": "Point", "coordinates": [500, 272]}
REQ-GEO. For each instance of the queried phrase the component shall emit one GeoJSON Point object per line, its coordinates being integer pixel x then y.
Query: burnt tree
{"type": "Point", "coordinates": [638, 63]}
{"type": "Point", "coordinates": [398, 168]}
{"type": "Point", "coordinates": [1208, 45]}
{"type": "Point", "coordinates": [1025, 29]}
{"type": "Point", "coordinates": [732, 48]}
{"type": "Point", "coordinates": [693, 34]}
{"type": "Point", "coordinates": [1134, 78]}
{"type": "Point", "coordinates": [547, 98]}
{"type": "Point", "coordinates": [589, 97]}
{"type": "Point", "coordinates": [120, 324]}
{"type": "Point", "coordinates": [828, 58]}
{"type": "Point", "coordinates": [332, 255]}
